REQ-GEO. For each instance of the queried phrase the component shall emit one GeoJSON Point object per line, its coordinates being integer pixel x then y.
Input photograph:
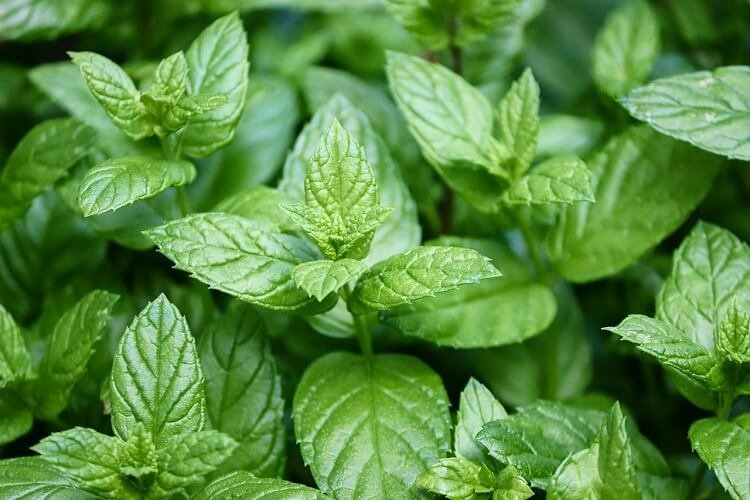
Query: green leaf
{"type": "Point", "coordinates": [429, 21]}
{"type": "Point", "coordinates": [725, 447]}
{"type": "Point", "coordinates": [68, 351]}
{"type": "Point", "coordinates": [42, 157]}
{"type": "Point", "coordinates": [518, 121]}
{"type": "Point", "coordinates": [562, 179]}
{"type": "Point", "coordinates": [319, 278]}
{"type": "Point", "coordinates": [457, 478]}
{"type": "Point", "coordinates": [90, 458]}
{"type": "Point", "coordinates": [118, 182]}
{"type": "Point", "coordinates": [672, 348]}
{"type": "Point", "coordinates": [401, 230]}
{"type": "Point", "coordinates": [15, 419]}
{"type": "Point", "coordinates": [138, 456]}
{"type": "Point", "coordinates": [640, 199]}
{"type": "Point", "coordinates": [261, 204]}
{"type": "Point", "coordinates": [452, 122]}
{"type": "Point", "coordinates": [170, 77]}
{"type": "Point", "coordinates": [29, 20]}
{"type": "Point", "coordinates": [625, 49]}
{"type": "Point", "coordinates": [15, 362]}
{"type": "Point", "coordinates": [243, 391]}
{"type": "Point", "coordinates": [511, 486]}
{"type": "Point", "coordinates": [496, 311]}
{"type": "Point", "coordinates": [421, 272]}
{"type": "Point", "coordinates": [116, 93]}
{"type": "Point", "coordinates": [603, 470]}
{"type": "Point", "coordinates": [733, 341]}
{"type": "Point", "coordinates": [557, 364]}
{"type": "Point", "coordinates": [243, 484]}
{"type": "Point", "coordinates": [36, 478]}
{"type": "Point", "coordinates": [393, 411]}
{"type": "Point", "coordinates": [477, 407]}
{"type": "Point", "coordinates": [341, 208]}
{"type": "Point", "coordinates": [217, 64]}
{"type": "Point", "coordinates": [561, 134]}
{"type": "Point", "coordinates": [706, 109]}
{"type": "Point", "coordinates": [539, 437]}
{"type": "Point", "coordinates": [187, 459]}
{"type": "Point", "coordinates": [239, 257]}
{"type": "Point", "coordinates": [710, 270]}
{"type": "Point", "coordinates": [156, 377]}
{"type": "Point", "coordinates": [183, 111]}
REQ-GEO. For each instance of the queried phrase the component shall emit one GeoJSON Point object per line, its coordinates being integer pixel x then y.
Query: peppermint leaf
{"type": "Point", "coordinates": [319, 278]}
{"type": "Point", "coordinates": [243, 391]}
{"type": "Point", "coordinates": [393, 410]}
{"type": "Point", "coordinates": [563, 179]}
{"type": "Point", "coordinates": [725, 447]}
{"type": "Point", "coordinates": [15, 418]}
{"type": "Point", "coordinates": [116, 93]}
{"type": "Point", "coordinates": [239, 257]}
{"type": "Point", "coordinates": [88, 457]}
{"type": "Point", "coordinates": [36, 478]}
{"type": "Point", "coordinates": [511, 486]}
{"type": "Point", "coordinates": [170, 77]}
{"type": "Point", "coordinates": [706, 109]}
{"type": "Point", "coordinates": [477, 407]}
{"type": "Point", "coordinates": [518, 121]}
{"type": "Point", "coordinates": [260, 204]}
{"type": "Point", "coordinates": [245, 485]}
{"type": "Point", "coordinates": [640, 199]}
{"type": "Point", "coordinates": [625, 49]}
{"type": "Point", "coordinates": [68, 351]}
{"type": "Point", "coordinates": [15, 362]}
{"type": "Point", "coordinates": [457, 478]}
{"type": "Point", "coordinates": [217, 64]}
{"type": "Point", "coordinates": [733, 340]}
{"type": "Point", "coordinates": [156, 377]}
{"type": "Point", "coordinates": [421, 272]}
{"type": "Point", "coordinates": [118, 182]}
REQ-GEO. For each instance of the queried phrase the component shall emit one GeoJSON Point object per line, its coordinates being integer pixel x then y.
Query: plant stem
{"type": "Point", "coordinates": [364, 336]}
{"type": "Point", "coordinates": [531, 245]}
{"type": "Point", "coordinates": [182, 201]}
{"type": "Point", "coordinates": [457, 59]}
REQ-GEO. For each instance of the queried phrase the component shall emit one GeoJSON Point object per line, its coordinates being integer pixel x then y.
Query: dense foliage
{"type": "Point", "coordinates": [363, 249]}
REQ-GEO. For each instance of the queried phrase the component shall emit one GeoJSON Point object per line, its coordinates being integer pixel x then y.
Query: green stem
{"type": "Point", "coordinates": [182, 201]}
{"type": "Point", "coordinates": [457, 59]}
{"type": "Point", "coordinates": [532, 246]}
{"type": "Point", "coordinates": [361, 328]}
{"type": "Point", "coordinates": [171, 149]}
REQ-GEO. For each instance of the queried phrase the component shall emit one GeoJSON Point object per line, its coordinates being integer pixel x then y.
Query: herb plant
{"type": "Point", "coordinates": [421, 249]}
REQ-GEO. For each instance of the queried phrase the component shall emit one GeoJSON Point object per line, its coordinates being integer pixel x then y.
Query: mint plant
{"type": "Point", "coordinates": [418, 249]}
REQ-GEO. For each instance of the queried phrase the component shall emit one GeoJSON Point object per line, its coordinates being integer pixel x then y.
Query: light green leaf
{"type": "Point", "coordinates": [36, 478]}
{"type": "Point", "coordinates": [539, 437]}
{"type": "Point", "coordinates": [640, 199]}
{"type": "Point", "coordinates": [243, 391]}
{"type": "Point", "coordinates": [319, 278]}
{"type": "Point", "coordinates": [401, 230]}
{"type": "Point", "coordinates": [261, 204]}
{"type": "Point", "coordinates": [138, 456]}
{"type": "Point", "coordinates": [511, 486]}
{"type": "Point", "coordinates": [244, 485]}
{"type": "Point", "coordinates": [733, 340]}
{"type": "Point", "coordinates": [457, 478]}
{"type": "Point", "coordinates": [710, 270]}
{"type": "Point", "coordinates": [116, 92]}
{"type": "Point", "coordinates": [706, 109]}
{"type": "Point", "coordinates": [30, 20]}
{"type": "Point", "coordinates": [90, 458]}
{"type": "Point", "coordinates": [184, 110]}
{"type": "Point", "coordinates": [393, 411]}
{"type": "Point", "coordinates": [15, 362]}
{"type": "Point", "coordinates": [421, 272]}
{"type": "Point", "coordinates": [562, 179]}
{"type": "Point", "coordinates": [239, 257]}
{"type": "Point", "coordinates": [156, 377]}
{"type": "Point", "coordinates": [452, 122]}
{"type": "Point", "coordinates": [68, 351]}
{"type": "Point", "coordinates": [342, 207]}
{"type": "Point", "coordinates": [170, 77]}
{"type": "Point", "coordinates": [15, 419]}
{"type": "Point", "coordinates": [672, 348]}
{"type": "Point", "coordinates": [496, 311]}
{"type": "Point", "coordinates": [42, 157]}
{"type": "Point", "coordinates": [725, 447]}
{"type": "Point", "coordinates": [187, 459]}
{"type": "Point", "coordinates": [217, 64]}
{"type": "Point", "coordinates": [430, 21]}
{"type": "Point", "coordinates": [561, 134]}
{"type": "Point", "coordinates": [118, 182]}
{"type": "Point", "coordinates": [625, 49]}
{"type": "Point", "coordinates": [603, 470]}
{"type": "Point", "coordinates": [518, 122]}
{"type": "Point", "coordinates": [477, 407]}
